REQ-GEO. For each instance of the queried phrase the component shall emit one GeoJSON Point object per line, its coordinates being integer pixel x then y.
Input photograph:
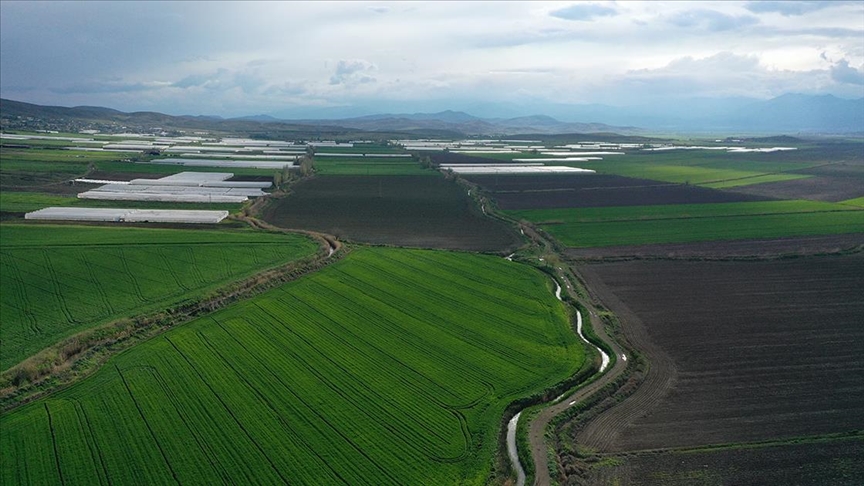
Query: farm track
{"type": "Point", "coordinates": [537, 428]}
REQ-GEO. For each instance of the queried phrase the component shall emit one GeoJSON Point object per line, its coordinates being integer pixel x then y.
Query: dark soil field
{"type": "Point", "coordinates": [819, 188]}
{"type": "Point", "coordinates": [583, 191]}
{"type": "Point", "coordinates": [739, 351]}
{"type": "Point", "coordinates": [416, 211]}
{"type": "Point", "coordinates": [832, 182]}
{"type": "Point", "coordinates": [836, 463]}
{"type": "Point", "coordinates": [724, 250]}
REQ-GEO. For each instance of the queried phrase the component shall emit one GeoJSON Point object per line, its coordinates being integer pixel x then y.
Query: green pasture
{"type": "Point", "coordinates": [381, 166]}
{"type": "Point", "coordinates": [716, 169]}
{"type": "Point", "coordinates": [711, 175]}
{"type": "Point", "coordinates": [38, 155]}
{"type": "Point", "coordinates": [672, 211]}
{"type": "Point", "coordinates": [859, 202]}
{"type": "Point", "coordinates": [31, 168]}
{"type": "Point", "coordinates": [36, 143]}
{"type": "Point", "coordinates": [21, 202]}
{"type": "Point", "coordinates": [636, 225]}
{"type": "Point", "coordinates": [60, 280]}
{"type": "Point", "coordinates": [390, 367]}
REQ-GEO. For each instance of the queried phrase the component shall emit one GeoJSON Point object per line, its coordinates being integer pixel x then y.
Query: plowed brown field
{"type": "Point", "coordinates": [753, 350]}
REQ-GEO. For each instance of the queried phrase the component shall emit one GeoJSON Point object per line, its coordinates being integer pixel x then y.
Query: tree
{"type": "Point", "coordinates": [306, 165]}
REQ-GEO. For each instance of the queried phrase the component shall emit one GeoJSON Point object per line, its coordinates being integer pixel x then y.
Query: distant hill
{"type": "Point", "coordinates": [457, 121]}
{"type": "Point", "coordinates": [795, 114]}
{"type": "Point", "coordinates": [446, 123]}
{"type": "Point", "coordinates": [802, 113]}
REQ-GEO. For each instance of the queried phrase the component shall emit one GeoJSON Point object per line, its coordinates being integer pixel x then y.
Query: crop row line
{"type": "Point", "coordinates": [176, 405]}
{"type": "Point", "coordinates": [401, 338]}
{"type": "Point", "coordinates": [416, 388]}
{"type": "Point", "coordinates": [21, 291]}
{"type": "Point", "coordinates": [231, 363]}
{"type": "Point", "coordinates": [96, 283]}
{"type": "Point", "coordinates": [291, 390]}
{"type": "Point", "coordinates": [456, 267]}
{"type": "Point", "coordinates": [147, 424]}
{"type": "Point", "coordinates": [396, 434]}
{"type": "Point", "coordinates": [193, 264]}
{"type": "Point", "coordinates": [488, 291]}
{"type": "Point", "coordinates": [431, 320]}
{"type": "Point", "coordinates": [227, 409]}
{"type": "Point", "coordinates": [297, 437]}
{"type": "Point", "coordinates": [172, 271]}
{"type": "Point", "coordinates": [310, 317]}
{"type": "Point", "coordinates": [467, 335]}
{"type": "Point", "coordinates": [135, 285]}
{"type": "Point", "coordinates": [90, 438]}
{"type": "Point", "coordinates": [54, 444]}
{"type": "Point", "coordinates": [58, 291]}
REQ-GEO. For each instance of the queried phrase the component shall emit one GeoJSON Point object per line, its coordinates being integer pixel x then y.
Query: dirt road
{"type": "Point", "coordinates": [538, 425]}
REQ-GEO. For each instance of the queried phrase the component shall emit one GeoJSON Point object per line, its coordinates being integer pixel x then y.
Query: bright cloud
{"type": "Point", "coordinates": [263, 57]}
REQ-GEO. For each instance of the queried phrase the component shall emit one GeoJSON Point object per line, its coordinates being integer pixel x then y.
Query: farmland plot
{"type": "Point", "coordinates": [389, 367]}
{"type": "Point", "coordinates": [759, 351]}
{"type": "Point", "coordinates": [710, 168]}
{"type": "Point", "coordinates": [640, 225]}
{"type": "Point", "coordinates": [420, 211]}
{"type": "Point", "coordinates": [368, 165]}
{"type": "Point", "coordinates": [833, 183]}
{"type": "Point", "coordinates": [60, 280]}
{"type": "Point", "coordinates": [579, 191]}
{"type": "Point", "coordinates": [835, 462]}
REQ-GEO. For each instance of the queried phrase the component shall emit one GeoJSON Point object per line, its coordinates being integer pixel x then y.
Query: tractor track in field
{"type": "Point", "coordinates": [662, 374]}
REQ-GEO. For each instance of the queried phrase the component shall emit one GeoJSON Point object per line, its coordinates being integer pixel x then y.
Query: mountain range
{"type": "Point", "coordinates": [789, 114]}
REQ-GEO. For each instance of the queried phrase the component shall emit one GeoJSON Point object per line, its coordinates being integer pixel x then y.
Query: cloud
{"type": "Point", "coordinates": [194, 80]}
{"type": "Point", "coordinates": [287, 88]}
{"type": "Point", "coordinates": [711, 20]}
{"type": "Point", "coordinates": [583, 12]}
{"type": "Point", "coordinates": [353, 72]}
{"type": "Point", "coordinates": [842, 72]}
{"type": "Point", "coordinates": [96, 87]}
{"type": "Point", "coordinates": [223, 79]}
{"type": "Point", "coordinates": [720, 75]}
{"type": "Point", "coordinates": [826, 32]}
{"type": "Point", "coordinates": [788, 9]}
{"type": "Point", "coordinates": [526, 37]}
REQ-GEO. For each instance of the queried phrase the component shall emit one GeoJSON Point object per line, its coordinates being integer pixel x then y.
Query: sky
{"type": "Point", "coordinates": [246, 58]}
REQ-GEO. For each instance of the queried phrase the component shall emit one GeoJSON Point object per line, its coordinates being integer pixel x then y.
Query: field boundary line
{"type": "Point", "coordinates": [79, 355]}
{"type": "Point", "coordinates": [760, 444]}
